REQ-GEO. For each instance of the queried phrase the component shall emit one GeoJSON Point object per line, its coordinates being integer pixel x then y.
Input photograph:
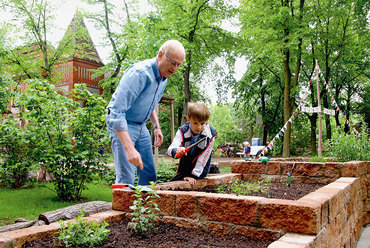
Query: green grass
{"type": "Point", "coordinates": [225, 169]}
{"type": "Point", "coordinates": [30, 203]}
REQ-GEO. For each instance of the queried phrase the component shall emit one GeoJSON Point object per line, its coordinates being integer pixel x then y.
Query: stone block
{"type": "Point", "coordinates": [332, 169]}
{"type": "Point", "coordinates": [307, 240]}
{"type": "Point", "coordinates": [166, 202]}
{"type": "Point", "coordinates": [248, 167]}
{"type": "Point", "coordinates": [186, 204]}
{"type": "Point", "coordinates": [353, 169]}
{"type": "Point", "coordinates": [20, 236]}
{"type": "Point", "coordinates": [323, 200]}
{"type": "Point", "coordinates": [122, 199]}
{"type": "Point", "coordinates": [229, 208]}
{"type": "Point", "coordinates": [109, 216]}
{"type": "Point", "coordinates": [273, 168]}
{"type": "Point", "coordinates": [308, 169]}
{"type": "Point", "coordinates": [284, 244]}
{"type": "Point", "coordinates": [258, 233]}
{"type": "Point", "coordinates": [219, 229]}
{"type": "Point", "coordinates": [294, 216]}
{"type": "Point", "coordinates": [181, 222]}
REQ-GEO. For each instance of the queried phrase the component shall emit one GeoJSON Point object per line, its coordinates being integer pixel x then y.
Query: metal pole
{"type": "Point", "coordinates": [319, 149]}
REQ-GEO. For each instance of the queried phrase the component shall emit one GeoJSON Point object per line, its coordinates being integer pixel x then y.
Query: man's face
{"type": "Point", "coordinates": [170, 62]}
{"type": "Point", "coordinates": [196, 126]}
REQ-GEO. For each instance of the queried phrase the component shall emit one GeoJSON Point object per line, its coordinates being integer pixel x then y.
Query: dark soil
{"type": "Point", "coordinates": [275, 190]}
{"type": "Point", "coordinates": [165, 236]}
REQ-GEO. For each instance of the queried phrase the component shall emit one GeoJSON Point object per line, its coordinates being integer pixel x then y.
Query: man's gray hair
{"type": "Point", "coordinates": [170, 45]}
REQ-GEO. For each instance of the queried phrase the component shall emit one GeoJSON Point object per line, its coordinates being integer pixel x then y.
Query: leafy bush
{"type": "Point", "coordinates": [83, 233]}
{"type": "Point", "coordinates": [15, 154]}
{"type": "Point", "coordinates": [165, 171]}
{"type": "Point", "coordinates": [350, 146]}
{"type": "Point", "coordinates": [66, 136]}
{"type": "Point", "coordinates": [144, 209]}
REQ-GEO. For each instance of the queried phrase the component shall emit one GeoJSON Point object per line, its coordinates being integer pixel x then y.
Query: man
{"type": "Point", "coordinates": [132, 104]}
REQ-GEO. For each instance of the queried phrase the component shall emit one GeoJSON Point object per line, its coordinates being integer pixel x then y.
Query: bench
{"type": "Point", "coordinates": [254, 150]}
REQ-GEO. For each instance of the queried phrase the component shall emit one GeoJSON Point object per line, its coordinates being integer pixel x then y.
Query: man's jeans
{"type": "Point", "coordinates": [125, 171]}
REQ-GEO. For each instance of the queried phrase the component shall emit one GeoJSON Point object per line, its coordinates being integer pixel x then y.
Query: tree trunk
{"type": "Point", "coordinates": [187, 92]}
{"type": "Point", "coordinates": [75, 210]}
{"type": "Point", "coordinates": [287, 110]}
{"type": "Point", "coordinates": [313, 120]}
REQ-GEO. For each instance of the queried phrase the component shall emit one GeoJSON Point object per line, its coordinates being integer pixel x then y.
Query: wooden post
{"type": "Point", "coordinates": [319, 149]}
{"type": "Point", "coordinates": [156, 148]}
{"type": "Point", "coordinates": [172, 121]}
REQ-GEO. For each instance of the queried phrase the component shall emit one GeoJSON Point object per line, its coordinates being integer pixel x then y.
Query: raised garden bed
{"type": "Point", "coordinates": [331, 216]}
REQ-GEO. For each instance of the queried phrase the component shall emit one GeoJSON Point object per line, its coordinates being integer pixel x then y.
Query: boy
{"type": "Point", "coordinates": [247, 150]}
{"type": "Point", "coordinates": [193, 164]}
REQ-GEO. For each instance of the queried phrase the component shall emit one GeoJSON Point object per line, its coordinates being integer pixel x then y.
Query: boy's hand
{"type": "Point", "coordinates": [180, 152]}
{"type": "Point", "coordinates": [191, 180]}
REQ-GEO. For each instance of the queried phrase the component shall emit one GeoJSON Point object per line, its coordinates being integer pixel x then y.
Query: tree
{"type": "Point", "coordinates": [121, 34]}
{"type": "Point", "coordinates": [197, 25]}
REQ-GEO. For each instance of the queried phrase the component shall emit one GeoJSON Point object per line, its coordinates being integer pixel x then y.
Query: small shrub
{"type": "Point", "coordinates": [349, 146]}
{"type": "Point", "coordinates": [144, 209]}
{"type": "Point", "coordinates": [83, 233]}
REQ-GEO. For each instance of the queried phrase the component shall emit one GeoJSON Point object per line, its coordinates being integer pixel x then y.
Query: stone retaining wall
{"type": "Point", "coordinates": [332, 216]}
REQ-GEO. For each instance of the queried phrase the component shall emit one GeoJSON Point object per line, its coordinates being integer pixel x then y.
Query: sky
{"type": "Point", "coordinates": [65, 12]}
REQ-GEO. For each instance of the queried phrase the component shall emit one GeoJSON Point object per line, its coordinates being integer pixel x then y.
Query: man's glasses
{"type": "Point", "coordinates": [172, 62]}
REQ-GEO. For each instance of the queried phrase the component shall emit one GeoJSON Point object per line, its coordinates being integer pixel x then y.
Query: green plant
{"type": "Point", "coordinates": [144, 209]}
{"type": "Point", "coordinates": [349, 146]}
{"type": "Point", "coordinates": [82, 232]}
{"type": "Point", "coordinates": [15, 154]}
{"type": "Point", "coordinates": [66, 136]}
{"type": "Point", "coordinates": [318, 159]}
{"type": "Point", "coordinates": [165, 171]}
{"type": "Point", "coordinates": [239, 187]}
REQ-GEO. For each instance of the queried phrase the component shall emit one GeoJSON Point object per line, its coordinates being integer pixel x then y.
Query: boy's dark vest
{"type": "Point", "coordinates": [187, 163]}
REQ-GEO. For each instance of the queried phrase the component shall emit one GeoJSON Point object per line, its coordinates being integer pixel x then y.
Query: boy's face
{"type": "Point", "coordinates": [196, 126]}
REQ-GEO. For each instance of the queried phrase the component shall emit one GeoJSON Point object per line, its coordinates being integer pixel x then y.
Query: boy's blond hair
{"type": "Point", "coordinates": [198, 110]}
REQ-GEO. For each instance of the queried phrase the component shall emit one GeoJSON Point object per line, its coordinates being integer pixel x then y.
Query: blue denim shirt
{"type": "Point", "coordinates": [139, 91]}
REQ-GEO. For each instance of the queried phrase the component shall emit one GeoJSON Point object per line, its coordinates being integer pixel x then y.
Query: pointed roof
{"type": "Point", "coordinates": [79, 41]}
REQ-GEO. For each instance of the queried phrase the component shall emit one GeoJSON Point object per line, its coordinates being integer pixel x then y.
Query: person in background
{"type": "Point", "coordinates": [247, 150]}
{"type": "Point", "coordinates": [132, 104]}
{"type": "Point", "coordinates": [194, 164]}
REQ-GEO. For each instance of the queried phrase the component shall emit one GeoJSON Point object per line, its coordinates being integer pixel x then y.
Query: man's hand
{"type": "Point", "coordinates": [191, 180]}
{"type": "Point", "coordinates": [158, 137]}
{"type": "Point", "coordinates": [133, 156]}
{"type": "Point", "coordinates": [180, 152]}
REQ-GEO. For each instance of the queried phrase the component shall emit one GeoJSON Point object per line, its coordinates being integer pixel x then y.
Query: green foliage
{"type": "Point", "coordinates": [350, 146]}
{"type": "Point", "coordinates": [222, 120]}
{"type": "Point", "coordinates": [144, 209]}
{"type": "Point", "coordinates": [82, 232]}
{"type": "Point", "coordinates": [66, 136]}
{"type": "Point", "coordinates": [318, 159]}
{"type": "Point", "coordinates": [239, 187]}
{"type": "Point", "coordinates": [165, 171]}
{"type": "Point", "coordinates": [15, 154]}
{"type": "Point", "coordinates": [5, 93]}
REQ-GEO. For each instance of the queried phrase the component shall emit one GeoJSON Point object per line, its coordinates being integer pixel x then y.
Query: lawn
{"type": "Point", "coordinates": [30, 203]}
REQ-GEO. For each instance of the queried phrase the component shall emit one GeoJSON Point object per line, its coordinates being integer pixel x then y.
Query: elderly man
{"type": "Point", "coordinates": [132, 104]}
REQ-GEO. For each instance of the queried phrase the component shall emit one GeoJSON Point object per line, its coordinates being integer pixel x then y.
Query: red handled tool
{"type": "Point", "coordinates": [196, 143]}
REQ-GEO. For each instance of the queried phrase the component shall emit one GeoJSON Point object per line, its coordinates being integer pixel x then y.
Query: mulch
{"type": "Point", "coordinates": [164, 236]}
